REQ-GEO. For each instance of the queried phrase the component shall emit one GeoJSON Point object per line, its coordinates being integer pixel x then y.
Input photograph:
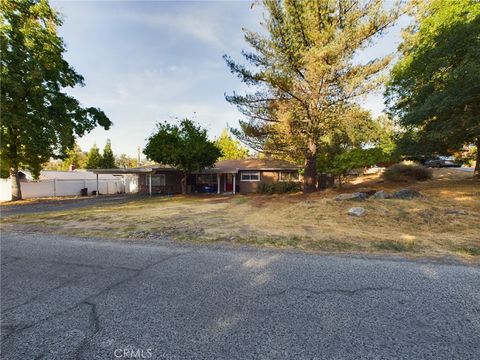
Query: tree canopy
{"type": "Point", "coordinates": [39, 119]}
{"type": "Point", "coordinates": [94, 158]}
{"type": "Point", "coordinates": [184, 146]}
{"type": "Point", "coordinates": [230, 147]}
{"type": "Point", "coordinates": [75, 157]}
{"type": "Point", "coordinates": [305, 74]}
{"type": "Point", "coordinates": [435, 86]}
{"type": "Point", "coordinates": [108, 159]}
{"type": "Point", "coordinates": [124, 161]}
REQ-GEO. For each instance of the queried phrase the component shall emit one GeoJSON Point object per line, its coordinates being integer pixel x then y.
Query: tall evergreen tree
{"type": "Point", "coordinates": [39, 119]}
{"type": "Point", "coordinates": [306, 74]}
{"type": "Point", "coordinates": [108, 159]}
{"type": "Point", "coordinates": [435, 86]}
{"type": "Point", "coordinates": [94, 159]}
{"type": "Point", "coordinates": [230, 147]}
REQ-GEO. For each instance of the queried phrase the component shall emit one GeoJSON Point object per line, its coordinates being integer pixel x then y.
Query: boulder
{"type": "Point", "coordinates": [368, 192]}
{"type": "Point", "coordinates": [359, 196]}
{"type": "Point", "coordinates": [356, 211]}
{"type": "Point", "coordinates": [455, 212]}
{"type": "Point", "coordinates": [381, 195]}
{"type": "Point", "coordinates": [406, 194]}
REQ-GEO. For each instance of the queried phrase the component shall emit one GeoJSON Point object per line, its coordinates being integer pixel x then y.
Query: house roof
{"type": "Point", "coordinates": [137, 170]}
{"type": "Point", "coordinates": [257, 164]}
{"type": "Point", "coordinates": [222, 166]}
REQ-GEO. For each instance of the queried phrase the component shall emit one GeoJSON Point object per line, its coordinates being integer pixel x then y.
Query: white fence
{"type": "Point", "coordinates": [64, 187]}
{"type": "Point", "coordinates": [5, 190]}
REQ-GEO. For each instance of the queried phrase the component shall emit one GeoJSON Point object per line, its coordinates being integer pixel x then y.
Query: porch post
{"type": "Point", "coordinates": [234, 178]}
{"type": "Point", "coordinates": [218, 183]}
{"type": "Point", "coordinates": [150, 184]}
{"type": "Point", "coordinates": [96, 194]}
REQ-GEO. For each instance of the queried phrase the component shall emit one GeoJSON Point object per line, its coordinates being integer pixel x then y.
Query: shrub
{"type": "Point", "coordinates": [278, 188]}
{"type": "Point", "coordinates": [404, 172]}
{"type": "Point", "coordinates": [265, 188]}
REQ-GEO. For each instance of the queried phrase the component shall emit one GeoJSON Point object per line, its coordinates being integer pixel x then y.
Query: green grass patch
{"type": "Point", "coordinates": [389, 245]}
{"type": "Point", "coordinates": [469, 250]}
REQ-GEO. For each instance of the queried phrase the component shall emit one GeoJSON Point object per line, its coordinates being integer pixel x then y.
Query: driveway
{"type": "Point", "coordinates": [65, 204]}
{"type": "Point", "coordinates": [71, 298]}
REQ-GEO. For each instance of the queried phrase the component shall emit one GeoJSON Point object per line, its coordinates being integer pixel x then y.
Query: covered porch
{"type": "Point", "coordinates": [219, 181]}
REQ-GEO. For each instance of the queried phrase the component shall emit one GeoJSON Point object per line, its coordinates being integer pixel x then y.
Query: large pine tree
{"type": "Point", "coordinates": [305, 73]}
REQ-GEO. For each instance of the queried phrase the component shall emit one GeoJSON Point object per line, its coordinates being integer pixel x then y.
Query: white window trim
{"type": "Point", "coordinates": [285, 171]}
{"type": "Point", "coordinates": [250, 173]}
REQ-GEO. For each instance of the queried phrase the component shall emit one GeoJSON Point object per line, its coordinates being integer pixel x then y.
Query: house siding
{"type": "Point", "coordinates": [173, 184]}
{"type": "Point", "coordinates": [251, 186]}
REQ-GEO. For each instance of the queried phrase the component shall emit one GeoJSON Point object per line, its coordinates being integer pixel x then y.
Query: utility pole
{"type": "Point", "coordinates": [138, 156]}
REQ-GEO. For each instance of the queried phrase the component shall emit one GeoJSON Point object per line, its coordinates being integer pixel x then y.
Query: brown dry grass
{"type": "Point", "coordinates": [311, 222]}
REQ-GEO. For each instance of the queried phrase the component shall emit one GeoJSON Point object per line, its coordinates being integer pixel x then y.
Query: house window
{"type": "Point", "coordinates": [250, 176]}
{"type": "Point", "coordinates": [289, 176]}
{"type": "Point", "coordinates": [158, 180]}
{"type": "Point", "coordinates": [206, 178]}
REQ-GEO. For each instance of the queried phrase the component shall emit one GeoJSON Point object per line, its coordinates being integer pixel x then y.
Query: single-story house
{"type": "Point", "coordinates": [226, 176]}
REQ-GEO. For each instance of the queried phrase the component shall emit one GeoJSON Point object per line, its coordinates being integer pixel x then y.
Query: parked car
{"type": "Point", "coordinates": [441, 161]}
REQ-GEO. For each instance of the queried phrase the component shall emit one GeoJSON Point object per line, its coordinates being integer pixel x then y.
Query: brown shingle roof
{"type": "Point", "coordinates": [256, 164]}
{"type": "Point", "coordinates": [231, 166]}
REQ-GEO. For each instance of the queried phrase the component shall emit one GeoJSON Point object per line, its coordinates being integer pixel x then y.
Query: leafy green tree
{"type": "Point", "coordinates": [124, 161]}
{"type": "Point", "coordinates": [360, 141]}
{"type": "Point", "coordinates": [75, 157]}
{"type": "Point", "coordinates": [306, 74]}
{"type": "Point", "coordinates": [185, 146]}
{"type": "Point", "coordinates": [435, 86]}
{"type": "Point", "coordinates": [39, 120]}
{"type": "Point", "coordinates": [230, 147]}
{"type": "Point", "coordinates": [94, 159]}
{"type": "Point", "coordinates": [108, 159]}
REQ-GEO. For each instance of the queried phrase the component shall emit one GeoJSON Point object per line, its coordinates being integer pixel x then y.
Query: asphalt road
{"type": "Point", "coordinates": [70, 298]}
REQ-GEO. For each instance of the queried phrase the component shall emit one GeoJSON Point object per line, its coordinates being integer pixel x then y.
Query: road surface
{"type": "Point", "coordinates": [72, 298]}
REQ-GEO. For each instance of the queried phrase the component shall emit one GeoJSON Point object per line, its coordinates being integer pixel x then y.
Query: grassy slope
{"type": "Point", "coordinates": [311, 222]}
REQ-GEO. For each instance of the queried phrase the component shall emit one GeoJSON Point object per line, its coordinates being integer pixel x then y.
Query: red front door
{"type": "Point", "coordinates": [229, 182]}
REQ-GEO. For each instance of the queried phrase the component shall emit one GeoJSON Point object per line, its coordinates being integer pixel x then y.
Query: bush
{"type": "Point", "coordinates": [278, 188]}
{"type": "Point", "coordinates": [405, 172]}
{"type": "Point", "coordinates": [265, 188]}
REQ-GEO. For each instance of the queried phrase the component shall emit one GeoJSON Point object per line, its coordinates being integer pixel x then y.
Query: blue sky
{"type": "Point", "coordinates": [145, 62]}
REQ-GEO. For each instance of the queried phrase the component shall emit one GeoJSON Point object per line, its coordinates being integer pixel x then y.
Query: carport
{"type": "Point", "coordinates": [130, 171]}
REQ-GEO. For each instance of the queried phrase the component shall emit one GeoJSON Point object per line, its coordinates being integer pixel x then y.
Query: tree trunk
{"type": "Point", "coordinates": [476, 171]}
{"type": "Point", "coordinates": [184, 182]}
{"type": "Point", "coordinates": [15, 178]}
{"type": "Point", "coordinates": [310, 175]}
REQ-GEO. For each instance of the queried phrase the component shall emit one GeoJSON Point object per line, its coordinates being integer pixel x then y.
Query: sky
{"type": "Point", "coordinates": [151, 61]}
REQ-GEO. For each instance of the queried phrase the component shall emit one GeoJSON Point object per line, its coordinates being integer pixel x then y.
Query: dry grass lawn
{"type": "Point", "coordinates": [314, 222]}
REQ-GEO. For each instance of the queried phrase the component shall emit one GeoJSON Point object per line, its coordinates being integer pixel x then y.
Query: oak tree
{"type": "Point", "coordinates": [39, 119]}
{"type": "Point", "coordinates": [185, 146]}
{"type": "Point", "coordinates": [435, 86]}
